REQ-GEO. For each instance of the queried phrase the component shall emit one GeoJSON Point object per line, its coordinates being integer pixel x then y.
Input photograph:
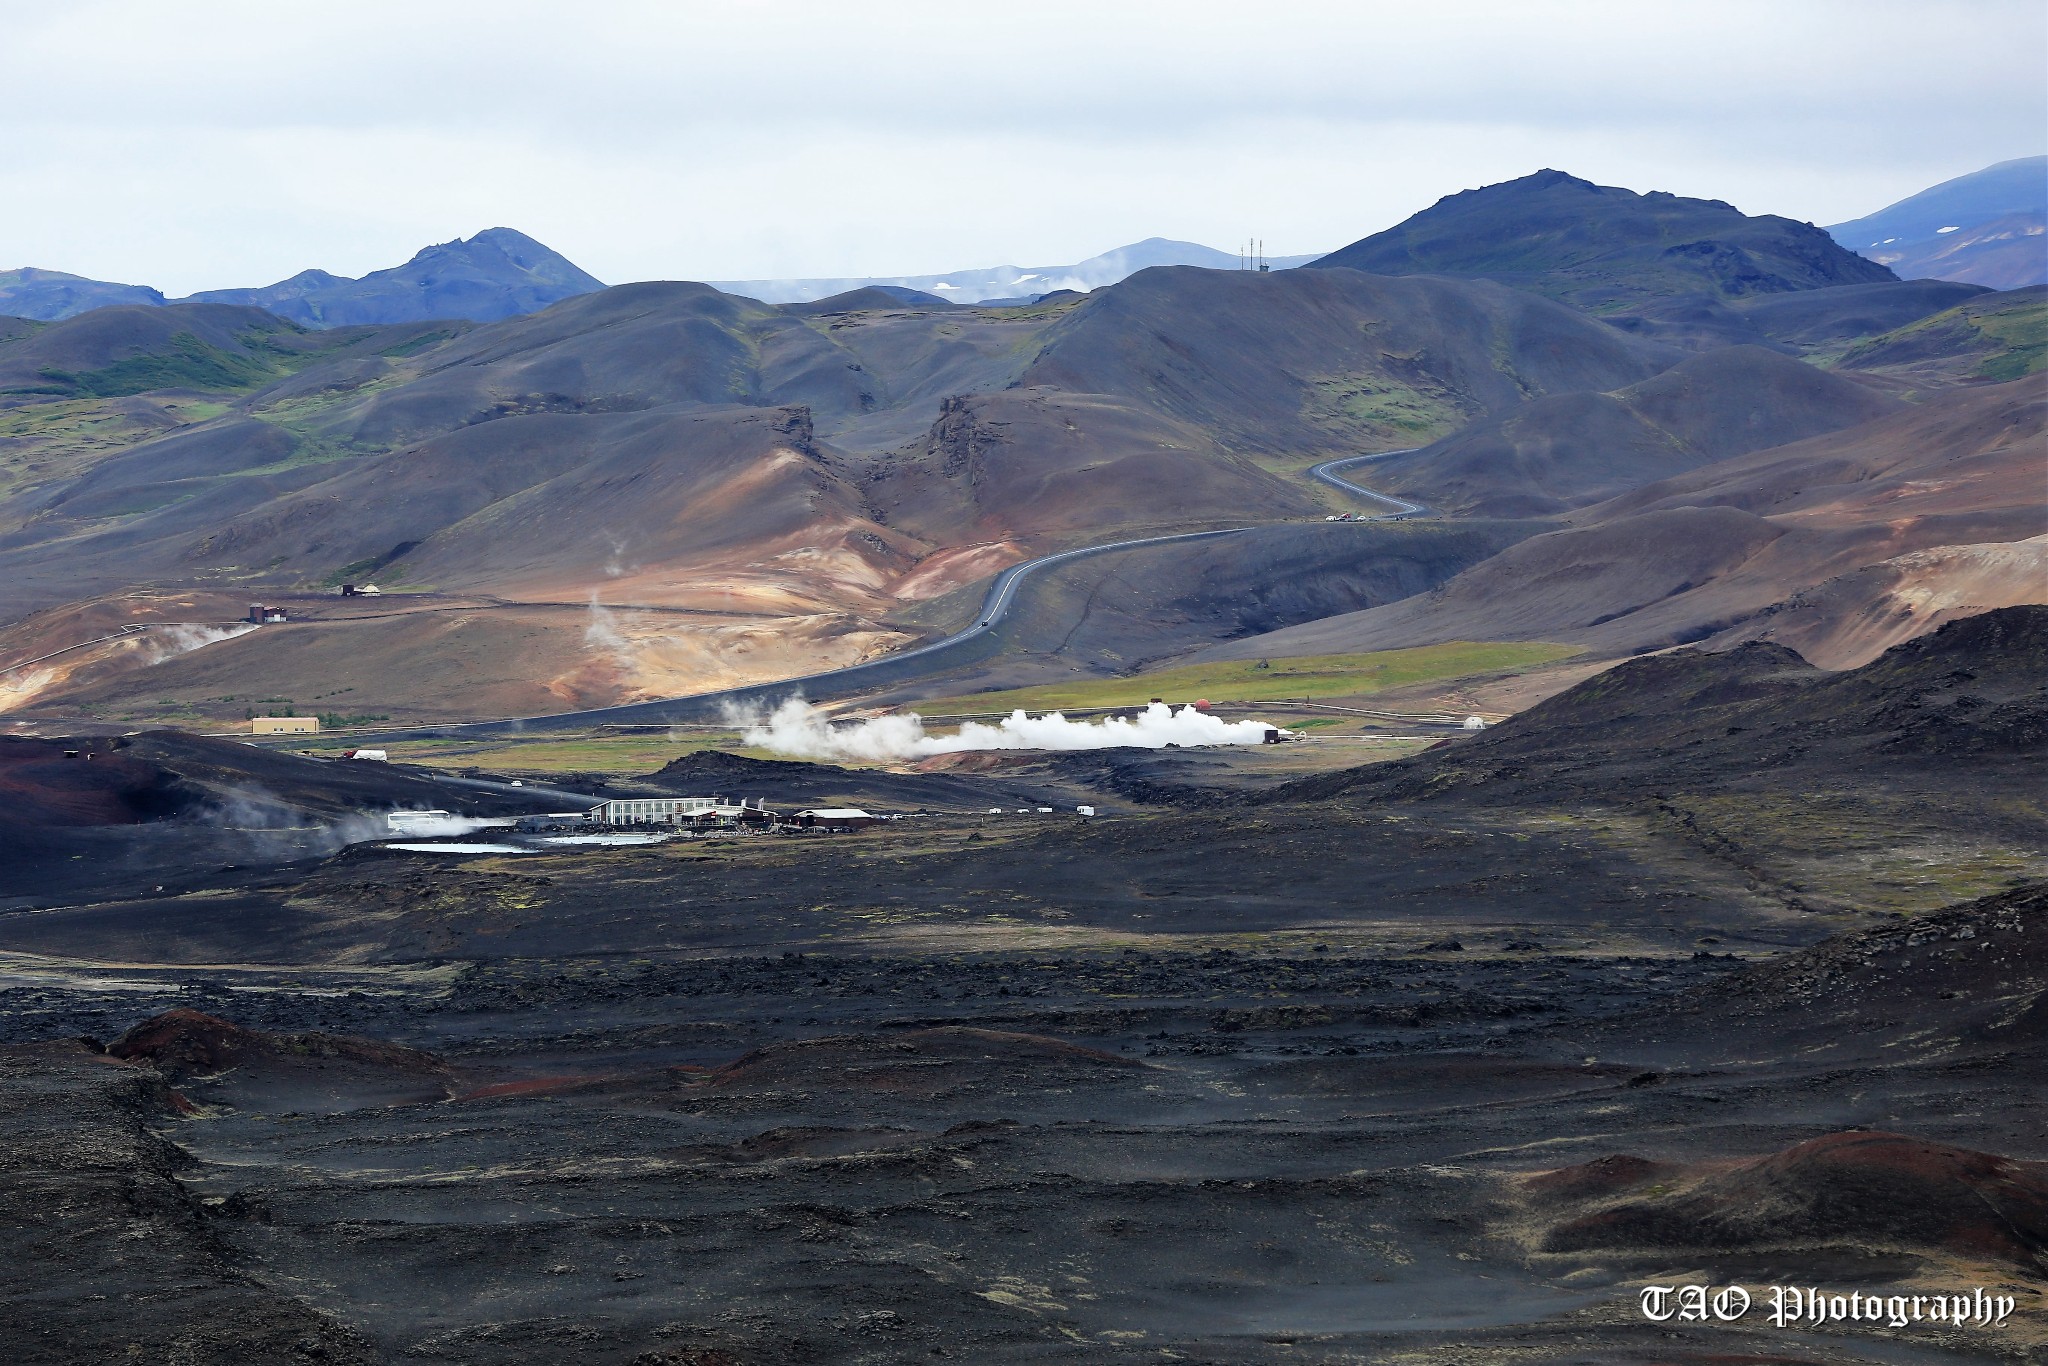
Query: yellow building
{"type": "Point", "coordinates": [284, 725]}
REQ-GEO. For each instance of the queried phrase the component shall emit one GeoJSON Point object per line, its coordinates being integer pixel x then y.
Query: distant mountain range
{"type": "Point", "coordinates": [1606, 248]}
{"type": "Point", "coordinates": [1012, 284]}
{"type": "Point", "coordinates": [499, 273]}
{"type": "Point", "coordinates": [1595, 246]}
{"type": "Point", "coordinates": [1986, 228]}
{"type": "Point", "coordinates": [496, 274]}
{"type": "Point", "coordinates": [48, 295]}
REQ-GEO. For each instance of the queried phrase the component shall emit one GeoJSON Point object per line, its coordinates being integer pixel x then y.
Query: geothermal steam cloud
{"type": "Point", "coordinates": [794, 729]}
{"type": "Point", "coordinates": [433, 823]}
{"type": "Point", "coordinates": [172, 639]}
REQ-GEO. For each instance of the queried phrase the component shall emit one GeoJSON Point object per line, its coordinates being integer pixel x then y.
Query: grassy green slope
{"type": "Point", "coordinates": [1994, 337]}
{"type": "Point", "coordinates": [1273, 680]}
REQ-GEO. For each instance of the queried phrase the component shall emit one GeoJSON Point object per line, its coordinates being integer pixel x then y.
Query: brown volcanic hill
{"type": "Point", "coordinates": [1568, 450]}
{"type": "Point", "coordinates": [1817, 317]}
{"type": "Point", "coordinates": [552, 500]}
{"type": "Point", "coordinates": [79, 783]}
{"type": "Point", "coordinates": [1859, 1191]}
{"type": "Point", "coordinates": [1959, 455]}
{"type": "Point", "coordinates": [1963, 706]}
{"type": "Point", "coordinates": [571, 418]}
{"type": "Point", "coordinates": [1326, 360]}
{"type": "Point", "coordinates": [1042, 463]}
{"type": "Point", "coordinates": [1963, 987]}
{"type": "Point", "coordinates": [1987, 337]}
{"type": "Point", "coordinates": [1603, 247]}
{"type": "Point", "coordinates": [1619, 586]}
{"type": "Point", "coordinates": [869, 298]}
{"type": "Point", "coordinates": [657, 446]}
{"type": "Point", "coordinates": [680, 451]}
{"type": "Point", "coordinates": [185, 1043]}
{"type": "Point", "coordinates": [134, 811]}
{"type": "Point", "coordinates": [230, 772]}
{"type": "Point", "coordinates": [1435, 352]}
{"type": "Point", "coordinates": [548, 503]}
{"type": "Point", "coordinates": [161, 775]}
{"type": "Point", "coordinates": [1806, 322]}
{"type": "Point", "coordinates": [680, 507]}
{"type": "Point", "coordinates": [1704, 552]}
{"type": "Point", "coordinates": [540, 413]}
{"type": "Point", "coordinates": [1888, 789]}
{"type": "Point", "coordinates": [178, 465]}
{"type": "Point", "coordinates": [1854, 617]}
{"type": "Point", "coordinates": [133, 348]}
{"type": "Point", "coordinates": [215, 1061]}
{"type": "Point", "coordinates": [1114, 614]}
{"type": "Point", "coordinates": [650, 345]}
{"type": "Point", "coordinates": [619, 350]}
{"type": "Point", "coordinates": [1965, 979]}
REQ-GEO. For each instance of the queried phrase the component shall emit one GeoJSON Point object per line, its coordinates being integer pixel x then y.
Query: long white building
{"type": "Point", "coordinates": [678, 811]}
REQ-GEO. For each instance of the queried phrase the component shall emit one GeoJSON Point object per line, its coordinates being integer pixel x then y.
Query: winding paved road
{"type": "Point", "coordinates": [995, 605]}
{"type": "Point", "coordinates": [1327, 473]}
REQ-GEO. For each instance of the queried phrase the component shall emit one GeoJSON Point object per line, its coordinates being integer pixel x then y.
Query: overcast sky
{"type": "Point", "coordinates": [209, 143]}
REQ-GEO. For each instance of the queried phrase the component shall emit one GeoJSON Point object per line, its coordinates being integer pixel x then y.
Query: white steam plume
{"type": "Point", "coordinates": [421, 823]}
{"type": "Point", "coordinates": [266, 828]}
{"type": "Point", "coordinates": [183, 637]}
{"type": "Point", "coordinates": [602, 633]}
{"type": "Point", "coordinates": [615, 562]}
{"type": "Point", "coordinates": [795, 729]}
